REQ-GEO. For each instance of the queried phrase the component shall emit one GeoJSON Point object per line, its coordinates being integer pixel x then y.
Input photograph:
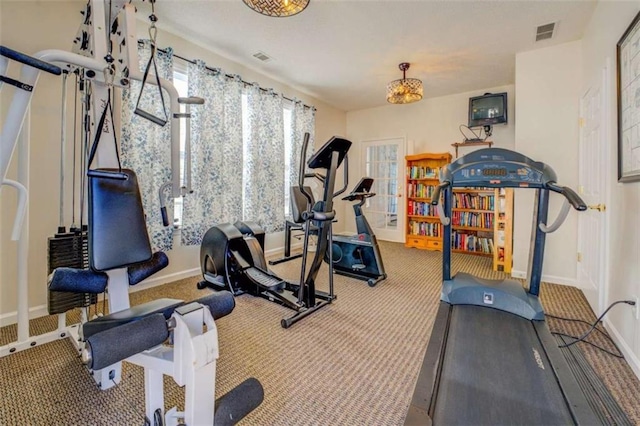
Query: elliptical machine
{"type": "Point", "coordinates": [358, 256]}
{"type": "Point", "coordinates": [232, 256]}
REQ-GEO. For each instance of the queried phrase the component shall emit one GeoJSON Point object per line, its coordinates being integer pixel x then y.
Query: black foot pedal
{"type": "Point", "coordinates": [264, 280]}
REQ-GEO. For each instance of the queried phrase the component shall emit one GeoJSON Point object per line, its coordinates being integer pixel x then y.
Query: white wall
{"type": "Point", "coordinates": [34, 26]}
{"type": "Point", "coordinates": [430, 125]}
{"type": "Point", "coordinates": [607, 25]}
{"type": "Point", "coordinates": [548, 106]}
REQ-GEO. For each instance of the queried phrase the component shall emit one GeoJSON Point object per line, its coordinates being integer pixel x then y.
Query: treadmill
{"type": "Point", "coordinates": [491, 358]}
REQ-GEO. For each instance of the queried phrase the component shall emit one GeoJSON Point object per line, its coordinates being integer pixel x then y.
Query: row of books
{"type": "Point", "coordinates": [421, 172]}
{"type": "Point", "coordinates": [428, 229]}
{"type": "Point", "coordinates": [473, 201]}
{"type": "Point", "coordinates": [419, 208]}
{"type": "Point", "coordinates": [473, 243]}
{"type": "Point", "coordinates": [420, 190]}
{"type": "Point", "coordinates": [472, 219]}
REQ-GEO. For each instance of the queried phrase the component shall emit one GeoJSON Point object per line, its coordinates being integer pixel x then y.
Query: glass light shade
{"type": "Point", "coordinates": [404, 91]}
{"type": "Point", "coordinates": [277, 8]}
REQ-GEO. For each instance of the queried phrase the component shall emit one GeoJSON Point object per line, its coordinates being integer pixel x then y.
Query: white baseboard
{"type": "Point", "coordinates": [630, 357]}
{"type": "Point", "coordinates": [12, 317]}
{"type": "Point", "coordinates": [553, 279]}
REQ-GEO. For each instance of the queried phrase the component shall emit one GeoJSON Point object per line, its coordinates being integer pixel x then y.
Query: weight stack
{"type": "Point", "coordinates": [71, 250]}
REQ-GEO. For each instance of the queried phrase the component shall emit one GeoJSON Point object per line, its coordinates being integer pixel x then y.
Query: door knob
{"type": "Point", "coordinates": [599, 207]}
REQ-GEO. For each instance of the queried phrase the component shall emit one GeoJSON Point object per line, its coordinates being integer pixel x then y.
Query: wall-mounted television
{"type": "Point", "coordinates": [488, 109]}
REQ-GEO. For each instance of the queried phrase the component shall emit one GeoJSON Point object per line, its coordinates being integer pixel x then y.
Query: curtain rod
{"type": "Point", "coordinates": [191, 61]}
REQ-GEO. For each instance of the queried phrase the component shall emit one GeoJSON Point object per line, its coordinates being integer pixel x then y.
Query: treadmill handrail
{"type": "Point", "coordinates": [571, 200]}
{"type": "Point", "coordinates": [435, 201]}
{"type": "Point", "coordinates": [562, 216]}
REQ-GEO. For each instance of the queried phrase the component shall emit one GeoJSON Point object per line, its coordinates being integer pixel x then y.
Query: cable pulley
{"type": "Point", "coordinates": [153, 32]}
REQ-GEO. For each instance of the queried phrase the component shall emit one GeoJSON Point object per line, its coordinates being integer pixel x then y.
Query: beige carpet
{"type": "Point", "coordinates": [354, 362]}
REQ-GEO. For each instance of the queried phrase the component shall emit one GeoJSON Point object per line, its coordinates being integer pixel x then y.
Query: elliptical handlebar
{"type": "Point", "coordinates": [571, 200]}
{"type": "Point", "coordinates": [302, 174]}
{"type": "Point", "coordinates": [345, 178]}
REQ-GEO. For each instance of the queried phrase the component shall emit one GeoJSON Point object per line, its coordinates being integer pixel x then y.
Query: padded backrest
{"type": "Point", "coordinates": [299, 202]}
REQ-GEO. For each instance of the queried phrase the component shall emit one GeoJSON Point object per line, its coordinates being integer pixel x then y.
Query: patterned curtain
{"type": "Point", "coordinates": [303, 120]}
{"type": "Point", "coordinates": [146, 146]}
{"type": "Point", "coordinates": [264, 159]}
{"type": "Point", "coordinates": [216, 153]}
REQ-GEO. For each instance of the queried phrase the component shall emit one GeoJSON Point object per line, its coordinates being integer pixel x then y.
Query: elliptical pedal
{"type": "Point", "coordinates": [265, 280]}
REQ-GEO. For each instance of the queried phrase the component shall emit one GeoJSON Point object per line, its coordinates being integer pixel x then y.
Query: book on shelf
{"type": "Point", "coordinates": [427, 229]}
{"type": "Point", "coordinates": [421, 208]}
{"type": "Point", "coordinates": [463, 200]}
{"type": "Point", "coordinates": [420, 190]}
{"type": "Point", "coordinates": [473, 220]}
{"type": "Point", "coordinates": [471, 243]}
{"type": "Point", "coordinates": [423, 172]}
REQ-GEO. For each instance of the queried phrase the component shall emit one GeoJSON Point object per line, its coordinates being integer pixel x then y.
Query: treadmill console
{"type": "Point", "coordinates": [498, 168]}
{"type": "Point", "coordinates": [497, 174]}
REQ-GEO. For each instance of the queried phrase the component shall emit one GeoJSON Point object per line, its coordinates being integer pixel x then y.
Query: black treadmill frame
{"type": "Point", "coordinates": [425, 398]}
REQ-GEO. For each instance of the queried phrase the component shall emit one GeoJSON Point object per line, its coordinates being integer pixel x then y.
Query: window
{"type": "Point", "coordinates": [181, 82]}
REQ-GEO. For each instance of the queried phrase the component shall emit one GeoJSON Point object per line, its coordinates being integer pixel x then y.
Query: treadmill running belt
{"type": "Point", "coordinates": [495, 372]}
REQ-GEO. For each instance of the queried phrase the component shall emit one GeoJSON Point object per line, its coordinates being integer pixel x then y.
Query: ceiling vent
{"type": "Point", "coordinates": [545, 32]}
{"type": "Point", "coordinates": [262, 56]}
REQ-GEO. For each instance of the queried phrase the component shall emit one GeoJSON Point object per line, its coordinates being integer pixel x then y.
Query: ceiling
{"type": "Point", "coordinates": [345, 52]}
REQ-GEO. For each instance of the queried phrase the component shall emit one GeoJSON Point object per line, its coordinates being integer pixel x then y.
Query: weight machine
{"type": "Point", "coordinates": [133, 334]}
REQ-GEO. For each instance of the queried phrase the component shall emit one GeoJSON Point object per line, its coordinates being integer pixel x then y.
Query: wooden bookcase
{"type": "Point", "coordinates": [481, 219]}
{"type": "Point", "coordinates": [482, 224]}
{"type": "Point", "coordinates": [503, 231]}
{"type": "Point", "coordinates": [472, 221]}
{"type": "Point", "coordinates": [423, 228]}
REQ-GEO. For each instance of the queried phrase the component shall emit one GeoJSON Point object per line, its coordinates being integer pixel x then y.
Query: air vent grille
{"type": "Point", "coordinates": [262, 56]}
{"type": "Point", "coordinates": [545, 32]}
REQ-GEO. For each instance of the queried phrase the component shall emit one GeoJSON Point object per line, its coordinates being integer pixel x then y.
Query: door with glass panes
{"type": "Point", "coordinates": [384, 162]}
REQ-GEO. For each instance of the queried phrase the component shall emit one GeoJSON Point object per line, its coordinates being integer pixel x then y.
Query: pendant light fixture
{"type": "Point", "coordinates": [277, 8]}
{"type": "Point", "coordinates": [406, 90]}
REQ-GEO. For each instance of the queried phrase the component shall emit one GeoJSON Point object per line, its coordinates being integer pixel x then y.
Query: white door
{"type": "Point", "coordinates": [384, 162]}
{"type": "Point", "coordinates": [593, 176]}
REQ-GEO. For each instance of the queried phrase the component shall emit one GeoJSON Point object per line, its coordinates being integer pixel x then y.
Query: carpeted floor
{"type": "Point", "coordinates": [354, 362]}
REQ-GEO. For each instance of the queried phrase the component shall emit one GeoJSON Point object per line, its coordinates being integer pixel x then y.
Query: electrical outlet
{"type": "Point", "coordinates": [636, 307]}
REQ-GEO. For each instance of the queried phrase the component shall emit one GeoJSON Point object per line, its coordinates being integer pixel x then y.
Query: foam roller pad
{"type": "Point", "coordinates": [240, 401]}
{"type": "Point", "coordinates": [144, 270]}
{"type": "Point", "coordinates": [77, 280]}
{"type": "Point", "coordinates": [119, 343]}
{"type": "Point", "coordinates": [220, 303]}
